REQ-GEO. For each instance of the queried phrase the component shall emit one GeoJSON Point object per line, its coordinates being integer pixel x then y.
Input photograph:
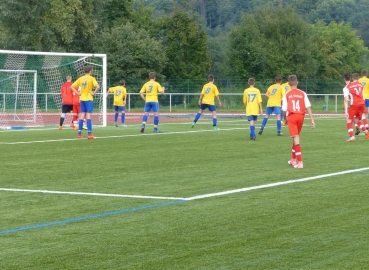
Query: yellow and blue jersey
{"type": "Point", "coordinates": [286, 87]}
{"type": "Point", "coordinates": [119, 94]}
{"type": "Point", "coordinates": [151, 88]}
{"type": "Point", "coordinates": [252, 98]}
{"type": "Point", "coordinates": [365, 82]}
{"type": "Point", "coordinates": [86, 84]}
{"type": "Point", "coordinates": [209, 92]}
{"type": "Point", "coordinates": [275, 94]}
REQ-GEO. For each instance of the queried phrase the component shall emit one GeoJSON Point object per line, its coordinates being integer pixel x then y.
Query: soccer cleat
{"type": "Point", "coordinates": [79, 136]}
{"type": "Point", "coordinates": [142, 130]}
{"type": "Point", "coordinates": [91, 137]}
{"type": "Point", "coordinates": [193, 125]}
{"type": "Point", "coordinates": [299, 165]}
{"type": "Point", "coordinates": [351, 139]}
{"type": "Point", "coordinates": [283, 123]}
{"type": "Point", "coordinates": [60, 128]}
{"type": "Point", "coordinates": [75, 128]}
{"type": "Point", "coordinates": [279, 134]}
{"type": "Point", "coordinates": [261, 131]}
{"type": "Point", "coordinates": [123, 125]}
{"type": "Point", "coordinates": [253, 138]}
{"type": "Point", "coordinates": [292, 162]}
{"type": "Point", "coordinates": [157, 131]}
{"type": "Point", "coordinates": [357, 131]}
{"type": "Point", "coordinates": [215, 128]}
{"type": "Point", "coordinates": [115, 124]}
{"type": "Point", "coordinates": [366, 134]}
{"type": "Point", "coordinates": [84, 127]}
{"type": "Point", "coordinates": [72, 125]}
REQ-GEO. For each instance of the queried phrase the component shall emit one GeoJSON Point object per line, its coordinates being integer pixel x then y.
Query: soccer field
{"type": "Point", "coordinates": [184, 199]}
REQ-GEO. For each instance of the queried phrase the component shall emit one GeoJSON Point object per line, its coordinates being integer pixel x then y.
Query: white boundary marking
{"type": "Point", "coordinates": [89, 194]}
{"type": "Point", "coordinates": [194, 197]}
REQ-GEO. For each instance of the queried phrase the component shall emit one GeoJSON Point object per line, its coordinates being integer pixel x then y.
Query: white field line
{"type": "Point", "coordinates": [210, 195]}
{"type": "Point", "coordinates": [273, 184]}
{"type": "Point", "coordinates": [125, 136]}
{"type": "Point", "coordinates": [89, 194]}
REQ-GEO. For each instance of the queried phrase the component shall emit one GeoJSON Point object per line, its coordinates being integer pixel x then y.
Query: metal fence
{"type": "Point", "coordinates": [175, 102]}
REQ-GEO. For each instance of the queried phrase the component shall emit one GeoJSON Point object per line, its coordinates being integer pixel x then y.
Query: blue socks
{"type": "Point", "coordinates": [252, 132]}
{"type": "Point", "coordinates": [214, 122]}
{"type": "Point", "coordinates": [279, 125]}
{"type": "Point", "coordinates": [144, 120]}
{"type": "Point", "coordinates": [197, 117]}
{"type": "Point", "coordinates": [265, 120]}
{"type": "Point", "coordinates": [115, 117]}
{"type": "Point", "coordinates": [123, 118]}
{"type": "Point", "coordinates": [89, 126]}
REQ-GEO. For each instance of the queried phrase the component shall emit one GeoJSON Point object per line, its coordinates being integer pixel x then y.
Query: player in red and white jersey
{"type": "Point", "coordinates": [353, 94]}
{"type": "Point", "coordinates": [294, 104]}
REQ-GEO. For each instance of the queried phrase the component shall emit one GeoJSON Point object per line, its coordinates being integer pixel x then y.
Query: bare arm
{"type": "Point", "coordinates": [163, 90]}
{"type": "Point", "coordinates": [142, 96]}
{"type": "Point", "coordinates": [75, 91]}
{"type": "Point", "coordinates": [261, 109]}
{"type": "Point", "coordinates": [200, 99]}
{"type": "Point", "coordinates": [125, 99]}
{"type": "Point", "coordinates": [97, 88]}
{"type": "Point", "coordinates": [312, 124]}
{"type": "Point", "coordinates": [345, 104]}
{"type": "Point", "coordinates": [219, 103]}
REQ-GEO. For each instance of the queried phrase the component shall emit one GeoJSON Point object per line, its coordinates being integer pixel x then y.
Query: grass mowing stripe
{"type": "Point", "coordinates": [275, 184]}
{"type": "Point", "coordinates": [89, 217]}
{"type": "Point", "coordinates": [162, 204]}
{"type": "Point", "coordinates": [89, 194]}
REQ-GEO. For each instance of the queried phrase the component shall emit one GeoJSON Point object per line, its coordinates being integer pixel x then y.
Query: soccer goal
{"type": "Point", "coordinates": [30, 85]}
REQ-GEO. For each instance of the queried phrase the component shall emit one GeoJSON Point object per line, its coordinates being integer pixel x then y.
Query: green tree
{"type": "Point", "coordinates": [131, 53]}
{"type": "Point", "coordinates": [341, 50]}
{"type": "Point", "coordinates": [185, 47]}
{"type": "Point", "coordinates": [272, 41]}
{"type": "Point", "coordinates": [65, 25]}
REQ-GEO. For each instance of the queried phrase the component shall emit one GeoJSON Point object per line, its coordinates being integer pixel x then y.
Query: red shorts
{"type": "Point", "coordinates": [76, 108]}
{"type": "Point", "coordinates": [295, 122]}
{"type": "Point", "coordinates": [356, 111]}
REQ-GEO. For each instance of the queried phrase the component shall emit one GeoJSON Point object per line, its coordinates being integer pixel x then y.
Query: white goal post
{"type": "Point", "coordinates": [30, 85]}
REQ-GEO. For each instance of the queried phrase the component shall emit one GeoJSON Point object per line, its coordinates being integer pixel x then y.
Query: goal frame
{"type": "Point", "coordinates": [104, 71]}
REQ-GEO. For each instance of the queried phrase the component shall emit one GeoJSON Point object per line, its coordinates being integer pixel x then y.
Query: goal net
{"type": "Point", "coordinates": [30, 85]}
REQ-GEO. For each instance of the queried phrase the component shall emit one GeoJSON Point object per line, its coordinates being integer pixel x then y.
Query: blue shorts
{"type": "Point", "coordinates": [119, 108]}
{"type": "Point", "coordinates": [87, 106]}
{"type": "Point", "coordinates": [367, 103]}
{"type": "Point", "coordinates": [154, 106]}
{"type": "Point", "coordinates": [211, 108]}
{"type": "Point", "coordinates": [275, 109]}
{"type": "Point", "coordinates": [252, 118]}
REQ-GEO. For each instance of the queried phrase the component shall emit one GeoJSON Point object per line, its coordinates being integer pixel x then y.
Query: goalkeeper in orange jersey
{"type": "Point", "coordinates": [67, 100]}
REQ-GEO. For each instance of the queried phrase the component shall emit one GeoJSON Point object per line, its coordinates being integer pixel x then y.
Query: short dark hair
{"type": "Point", "coordinates": [68, 75]}
{"type": "Point", "coordinates": [152, 75]}
{"type": "Point", "coordinates": [278, 79]}
{"type": "Point", "coordinates": [287, 77]}
{"type": "Point", "coordinates": [122, 82]}
{"type": "Point", "coordinates": [355, 76]}
{"type": "Point", "coordinates": [87, 69]}
{"type": "Point", "coordinates": [347, 76]}
{"type": "Point", "coordinates": [251, 81]}
{"type": "Point", "coordinates": [210, 77]}
{"type": "Point", "coordinates": [292, 80]}
{"type": "Point", "coordinates": [364, 72]}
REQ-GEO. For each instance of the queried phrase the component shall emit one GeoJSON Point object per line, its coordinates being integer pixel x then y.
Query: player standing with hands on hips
{"type": "Point", "coordinates": [88, 87]}
{"type": "Point", "coordinates": [294, 104]}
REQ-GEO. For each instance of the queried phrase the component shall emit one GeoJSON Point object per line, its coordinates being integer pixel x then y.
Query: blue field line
{"type": "Point", "coordinates": [90, 217]}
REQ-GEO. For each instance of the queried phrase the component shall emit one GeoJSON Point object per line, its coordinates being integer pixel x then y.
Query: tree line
{"type": "Point", "coordinates": [188, 39]}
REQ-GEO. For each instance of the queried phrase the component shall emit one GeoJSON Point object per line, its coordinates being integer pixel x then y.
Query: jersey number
{"type": "Point", "coordinates": [150, 89]}
{"type": "Point", "coordinates": [296, 105]}
{"type": "Point", "coordinates": [207, 91]}
{"type": "Point", "coordinates": [251, 97]}
{"type": "Point", "coordinates": [117, 93]}
{"type": "Point", "coordinates": [274, 91]}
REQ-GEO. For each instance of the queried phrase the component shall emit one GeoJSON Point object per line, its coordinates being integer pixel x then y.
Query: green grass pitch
{"type": "Point", "coordinates": [154, 201]}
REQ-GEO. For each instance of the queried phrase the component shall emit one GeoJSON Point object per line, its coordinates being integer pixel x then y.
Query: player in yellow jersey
{"type": "Point", "coordinates": [88, 87]}
{"type": "Point", "coordinates": [364, 80]}
{"type": "Point", "coordinates": [275, 94]}
{"type": "Point", "coordinates": [285, 88]}
{"type": "Point", "coordinates": [206, 100]}
{"type": "Point", "coordinates": [120, 97]}
{"type": "Point", "coordinates": [252, 100]}
{"type": "Point", "coordinates": [149, 93]}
